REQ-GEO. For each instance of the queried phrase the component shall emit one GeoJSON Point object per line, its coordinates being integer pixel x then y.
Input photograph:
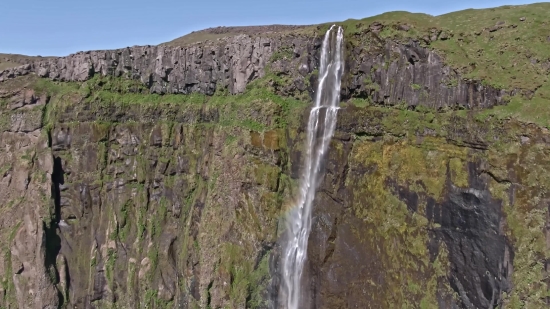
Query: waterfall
{"type": "Point", "coordinates": [321, 124]}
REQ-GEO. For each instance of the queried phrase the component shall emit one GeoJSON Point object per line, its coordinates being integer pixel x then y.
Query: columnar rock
{"type": "Point", "coordinates": [392, 73]}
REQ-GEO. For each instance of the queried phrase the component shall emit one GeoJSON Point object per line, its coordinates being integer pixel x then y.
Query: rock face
{"type": "Point", "coordinates": [26, 165]}
{"type": "Point", "coordinates": [119, 199]}
{"type": "Point", "coordinates": [197, 68]}
{"type": "Point", "coordinates": [386, 72]}
{"type": "Point", "coordinates": [412, 75]}
{"type": "Point", "coordinates": [459, 216]}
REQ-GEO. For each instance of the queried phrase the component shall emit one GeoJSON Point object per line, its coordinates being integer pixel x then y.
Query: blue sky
{"type": "Point", "coordinates": [61, 27]}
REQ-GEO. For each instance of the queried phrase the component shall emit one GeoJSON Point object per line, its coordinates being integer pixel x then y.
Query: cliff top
{"type": "Point", "coordinates": [508, 46]}
{"type": "Point", "coordinates": [222, 32]}
{"type": "Point", "coordinates": [8, 61]}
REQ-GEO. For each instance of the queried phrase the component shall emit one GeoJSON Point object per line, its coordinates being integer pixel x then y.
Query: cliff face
{"type": "Point", "coordinates": [388, 72]}
{"type": "Point", "coordinates": [158, 177]}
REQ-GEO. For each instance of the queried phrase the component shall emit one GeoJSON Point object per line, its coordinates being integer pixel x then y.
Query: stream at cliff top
{"type": "Point", "coordinates": [321, 124]}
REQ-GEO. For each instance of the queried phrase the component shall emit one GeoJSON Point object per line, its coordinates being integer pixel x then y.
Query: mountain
{"type": "Point", "coordinates": [160, 176]}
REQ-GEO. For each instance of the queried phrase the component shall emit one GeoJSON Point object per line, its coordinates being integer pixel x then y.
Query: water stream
{"type": "Point", "coordinates": [321, 124]}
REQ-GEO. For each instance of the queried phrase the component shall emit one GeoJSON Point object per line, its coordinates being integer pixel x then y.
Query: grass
{"type": "Point", "coordinates": [535, 110]}
{"type": "Point", "coordinates": [213, 34]}
{"type": "Point", "coordinates": [489, 45]}
{"type": "Point", "coordinates": [8, 61]}
{"type": "Point", "coordinates": [257, 109]}
{"type": "Point", "coordinates": [506, 58]}
{"type": "Point", "coordinates": [501, 58]}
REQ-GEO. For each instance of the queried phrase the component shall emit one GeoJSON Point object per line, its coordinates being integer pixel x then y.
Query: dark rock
{"type": "Point", "coordinates": [444, 36]}
{"type": "Point", "coordinates": [403, 27]}
{"type": "Point", "coordinates": [195, 71]}
{"type": "Point", "coordinates": [300, 85]}
{"type": "Point", "coordinates": [474, 212]}
{"type": "Point", "coordinates": [426, 39]}
{"type": "Point", "coordinates": [376, 26]}
{"type": "Point", "coordinates": [412, 64]}
{"type": "Point", "coordinates": [18, 269]}
{"type": "Point", "coordinates": [434, 34]}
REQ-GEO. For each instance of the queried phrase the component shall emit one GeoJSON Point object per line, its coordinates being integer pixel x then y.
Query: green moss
{"type": "Point", "coordinates": [141, 222]}
{"type": "Point", "coordinates": [151, 300]}
{"type": "Point", "coordinates": [8, 285]}
{"type": "Point", "coordinates": [233, 260]}
{"type": "Point", "coordinates": [267, 175]}
{"type": "Point", "coordinates": [281, 53]}
{"type": "Point", "coordinates": [124, 224]}
{"type": "Point", "coordinates": [396, 237]}
{"type": "Point", "coordinates": [4, 169]}
{"type": "Point", "coordinates": [153, 256]}
{"type": "Point", "coordinates": [357, 102]}
{"type": "Point", "coordinates": [526, 218]}
{"type": "Point", "coordinates": [130, 97]}
{"type": "Point", "coordinates": [536, 110]}
{"type": "Point", "coordinates": [259, 279]}
{"type": "Point", "coordinates": [230, 139]}
{"type": "Point", "coordinates": [459, 174]}
{"type": "Point", "coordinates": [110, 265]}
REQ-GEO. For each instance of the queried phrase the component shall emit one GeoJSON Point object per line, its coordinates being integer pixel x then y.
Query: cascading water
{"type": "Point", "coordinates": [321, 124]}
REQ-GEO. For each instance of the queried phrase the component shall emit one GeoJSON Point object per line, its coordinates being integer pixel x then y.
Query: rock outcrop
{"type": "Point", "coordinates": [388, 73]}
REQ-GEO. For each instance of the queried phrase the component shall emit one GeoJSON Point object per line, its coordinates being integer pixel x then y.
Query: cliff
{"type": "Point", "coordinates": [159, 176]}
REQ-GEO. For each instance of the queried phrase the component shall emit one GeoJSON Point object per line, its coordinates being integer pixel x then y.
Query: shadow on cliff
{"type": "Point", "coordinates": [52, 241]}
{"type": "Point", "coordinates": [470, 220]}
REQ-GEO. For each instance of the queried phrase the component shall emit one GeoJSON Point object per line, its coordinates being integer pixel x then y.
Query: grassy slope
{"type": "Point", "coordinates": [492, 45]}
{"type": "Point", "coordinates": [502, 58]}
{"type": "Point", "coordinates": [213, 34]}
{"type": "Point", "coordinates": [8, 61]}
{"type": "Point", "coordinates": [516, 56]}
